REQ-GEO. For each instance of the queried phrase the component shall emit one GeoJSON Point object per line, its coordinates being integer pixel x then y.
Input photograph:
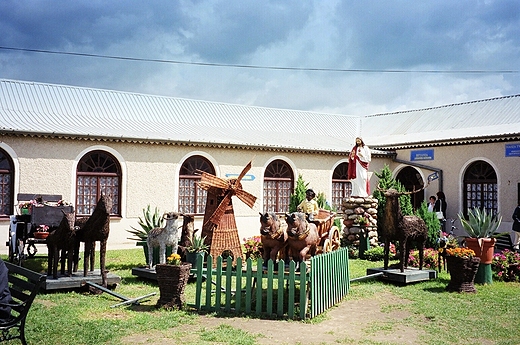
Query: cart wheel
{"type": "Point", "coordinates": [31, 250]}
{"type": "Point", "coordinates": [335, 238]}
{"type": "Point", "coordinates": [327, 246]}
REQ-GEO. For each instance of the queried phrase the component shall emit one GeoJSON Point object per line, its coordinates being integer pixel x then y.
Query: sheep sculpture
{"type": "Point", "coordinates": [163, 237]}
{"type": "Point", "coordinates": [404, 229]}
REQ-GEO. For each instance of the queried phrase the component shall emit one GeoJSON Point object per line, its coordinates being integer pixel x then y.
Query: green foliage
{"type": "Point", "coordinates": [430, 259]}
{"type": "Point", "coordinates": [321, 200]}
{"type": "Point", "coordinates": [374, 254]}
{"type": "Point", "coordinates": [149, 221]}
{"type": "Point", "coordinates": [432, 223]}
{"type": "Point", "coordinates": [480, 223]}
{"type": "Point", "coordinates": [197, 245]}
{"type": "Point", "coordinates": [299, 194]}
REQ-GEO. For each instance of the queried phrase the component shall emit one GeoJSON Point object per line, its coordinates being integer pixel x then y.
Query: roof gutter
{"type": "Point", "coordinates": [422, 166]}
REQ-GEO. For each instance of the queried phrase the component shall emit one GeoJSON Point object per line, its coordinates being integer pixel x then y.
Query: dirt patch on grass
{"type": "Point", "coordinates": [379, 319]}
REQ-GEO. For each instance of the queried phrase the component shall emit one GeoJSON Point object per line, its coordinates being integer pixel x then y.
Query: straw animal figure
{"type": "Point", "coordinates": [187, 233]}
{"type": "Point", "coordinates": [163, 237]}
{"type": "Point", "coordinates": [92, 229]}
{"type": "Point", "coordinates": [303, 237]}
{"type": "Point", "coordinates": [401, 228]}
{"type": "Point", "coordinates": [274, 238]}
{"type": "Point", "coordinates": [63, 238]}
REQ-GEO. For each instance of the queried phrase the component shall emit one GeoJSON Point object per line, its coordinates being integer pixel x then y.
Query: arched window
{"type": "Point", "coordinates": [6, 184]}
{"type": "Point", "coordinates": [278, 187]}
{"type": "Point", "coordinates": [98, 172]}
{"type": "Point", "coordinates": [341, 186]}
{"type": "Point", "coordinates": [192, 198]}
{"type": "Point", "coordinates": [480, 186]}
{"type": "Point", "coordinates": [412, 180]}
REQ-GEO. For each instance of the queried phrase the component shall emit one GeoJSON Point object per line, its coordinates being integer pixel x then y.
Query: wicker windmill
{"type": "Point", "coordinates": [219, 225]}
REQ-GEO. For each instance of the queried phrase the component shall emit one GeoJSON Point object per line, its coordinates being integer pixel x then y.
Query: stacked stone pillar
{"type": "Point", "coordinates": [360, 220]}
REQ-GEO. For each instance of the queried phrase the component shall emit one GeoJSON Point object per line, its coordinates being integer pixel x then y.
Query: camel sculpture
{"type": "Point", "coordinates": [90, 230]}
{"type": "Point", "coordinates": [62, 239]}
{"type": "Point", "coordinates": [396, 227]}
{"type": "Point", "coordinates": [163, 237]}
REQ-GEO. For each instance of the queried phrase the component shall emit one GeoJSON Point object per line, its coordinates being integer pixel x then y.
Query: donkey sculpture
{"type": "Point", "coordinates": [274, 237]}
{"type": "Point", "coordinates": [396, 227]}
{"type": "Point", "coordinates": [302, 237]}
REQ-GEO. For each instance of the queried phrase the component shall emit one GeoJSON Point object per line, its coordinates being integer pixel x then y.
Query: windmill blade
{"type": "Point", "coordinates": [246, 197]}
{"type": "Point", "coordinates": [219, 212]}
{"type": "Point", "coordinates": [244, 171]}
{"type": "Point", "coordinates": [208, 180]}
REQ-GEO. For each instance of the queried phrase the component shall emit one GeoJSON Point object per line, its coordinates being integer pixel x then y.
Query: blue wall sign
{"type": "Point", "coordinates": [512, 150]}
{"type": "Point", "coordinates": [421, 155]}
{"type": "Point", "coordinates": [247, 177]}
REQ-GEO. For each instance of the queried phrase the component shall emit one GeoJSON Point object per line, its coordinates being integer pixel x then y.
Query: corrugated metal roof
{"type": "Point", "coordinates": [489, 118]}
{"type": "Point", "coordinates": [38, 108]}
{"type": "Point", "coordinates": [48, 109]}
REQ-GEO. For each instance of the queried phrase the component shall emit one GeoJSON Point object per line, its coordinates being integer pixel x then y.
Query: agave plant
{"type": "Point", "coordinates": [480, 223]}
{"type": "Point", "coordinates": [197, 245]}
{"type": "Point", "coordinates": [149, 221]}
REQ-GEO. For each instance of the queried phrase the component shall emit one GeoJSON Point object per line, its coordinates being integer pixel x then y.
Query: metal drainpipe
{"type": "Point", "coordinates": [439, 171]}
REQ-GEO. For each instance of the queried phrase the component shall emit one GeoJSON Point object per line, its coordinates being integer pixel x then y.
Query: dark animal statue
{"type": "Point", "coordinates": [274, 238]}
{"type": "Point", "coordinates": [92, 229]}
{"type": "Point", "coordinates": [302, 237]}
{"type": "Point", "coordinates": [404, 229]}
{"type": "Point", "coordinates": [187, 233]}
{"type": "Point", "coordinates": [62, 239]}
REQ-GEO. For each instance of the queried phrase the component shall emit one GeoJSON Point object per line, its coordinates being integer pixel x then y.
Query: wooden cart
{"type": "Point", "coordinates": [23, 227]}
{"type": "Point", "coordinates": [330, 238]}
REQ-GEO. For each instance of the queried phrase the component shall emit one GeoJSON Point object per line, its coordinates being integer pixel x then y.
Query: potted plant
{"type": "Point", "coordinates": [462, 266]}
{"type": "Point", "coordinates": [150, 220]}
{"type": "Point", "coordinates": [197, 248]}
{"type": "Point", "coordinates": [42, 231]}
{"type": "Point", "coordinates": [481, 226]}
{"type": "Point", "coordinates": [172, 278]}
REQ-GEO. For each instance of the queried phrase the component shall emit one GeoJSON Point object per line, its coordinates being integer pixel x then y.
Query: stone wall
{"type": "Point", "coordinates": [360, 215]}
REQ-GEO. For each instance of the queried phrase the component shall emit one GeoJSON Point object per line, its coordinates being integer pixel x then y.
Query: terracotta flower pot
{"type": "Point", "coordinates": [483, 247]}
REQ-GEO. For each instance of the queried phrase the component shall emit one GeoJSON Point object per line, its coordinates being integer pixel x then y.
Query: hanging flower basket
{"type": "Point", "coordinates": [462, 271]}
{"type": "Point", "coordinates": [172, 280]}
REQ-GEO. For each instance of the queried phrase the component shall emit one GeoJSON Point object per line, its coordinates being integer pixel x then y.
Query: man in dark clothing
{"type": "Point", "coordinates": [5, 295]}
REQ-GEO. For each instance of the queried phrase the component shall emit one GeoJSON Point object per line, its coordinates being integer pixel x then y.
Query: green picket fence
{"type": "Point", "coordinates": [278, 291]}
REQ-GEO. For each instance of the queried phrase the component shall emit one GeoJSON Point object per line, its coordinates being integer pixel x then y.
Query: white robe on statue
{"type": "Point", "coordinates": [360, 183]}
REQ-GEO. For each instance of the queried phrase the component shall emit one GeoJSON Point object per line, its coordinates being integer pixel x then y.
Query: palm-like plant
{"type": "Point", "coordinates": [480, 223]}
{"type": "Point", "coordinates": [149, 221]}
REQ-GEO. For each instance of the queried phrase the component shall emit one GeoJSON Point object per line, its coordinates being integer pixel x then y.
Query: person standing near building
{"type": "Point", "coordinates": [358, 161]}
{"type": "Point", "coordinates": [440, 206]}
{"type": "Point", "coordinates": [516, 226]}
{"type": "Point", "coordinates": [431, 203]}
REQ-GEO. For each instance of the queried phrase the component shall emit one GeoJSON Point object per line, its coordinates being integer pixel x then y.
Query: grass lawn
{"type": "Point", "coordinates": [76, 317]}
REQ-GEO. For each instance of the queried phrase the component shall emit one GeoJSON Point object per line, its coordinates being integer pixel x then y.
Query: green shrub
{"type": "Point", "coordinates": [299, 194]}
{"type": "Point", "coordinates": [432, 223]}
{"type": "Point", "coordinates": [374, 254]}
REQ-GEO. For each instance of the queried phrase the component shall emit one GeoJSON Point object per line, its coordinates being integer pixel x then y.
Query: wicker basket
{"type": "Point", "coordinates": [172, 282]}
{"type": "Point", "coordinates": [462, 272]}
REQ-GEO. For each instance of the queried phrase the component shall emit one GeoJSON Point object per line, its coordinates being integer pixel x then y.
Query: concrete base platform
{"type": "Point", "coordinates": [77, 280]}
{"type": "Point", "coordinates": [410, 275]}
{"type": "Point", "coordinates": [143, 272]}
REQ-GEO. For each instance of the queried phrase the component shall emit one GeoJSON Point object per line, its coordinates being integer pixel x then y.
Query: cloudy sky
{"type": "Point", "coordinates": [342, 57]}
